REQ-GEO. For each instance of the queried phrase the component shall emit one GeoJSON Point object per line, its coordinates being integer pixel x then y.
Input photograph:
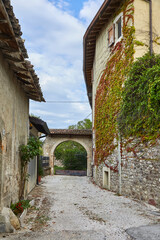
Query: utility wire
{"type": "Point", "coordinates": [88, 115]}
{"type": "Point", "coordinates": [66, 101]}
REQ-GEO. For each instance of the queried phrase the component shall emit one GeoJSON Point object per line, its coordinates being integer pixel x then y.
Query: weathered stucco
{"type": "Point", "coordinates": [51, 143]}
{"type": "Point", "coordinates": [142, 27]}
{"type": "Point", "coordinates": [13, 130]}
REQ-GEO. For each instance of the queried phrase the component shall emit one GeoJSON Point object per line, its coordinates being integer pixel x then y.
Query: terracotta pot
{"type": "Point", "coordinates": [39, 178]}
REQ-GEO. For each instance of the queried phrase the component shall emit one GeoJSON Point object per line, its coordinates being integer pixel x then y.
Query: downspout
{"type": "Point", "coordinates": [119, 165]}
{"type": "Point", "coordinates": [151, 29]}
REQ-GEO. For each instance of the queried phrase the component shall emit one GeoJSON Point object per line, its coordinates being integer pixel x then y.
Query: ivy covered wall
{"type": "Point", "coordinates": [109, 90]}
{"type": "Point", "coordinates": [127, 105]}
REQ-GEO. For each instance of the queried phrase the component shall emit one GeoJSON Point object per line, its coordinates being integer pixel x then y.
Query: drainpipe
{"type": "Point", "coordinates": [119, 164]}
{"type": "Point", "coordinates": [151, 29]}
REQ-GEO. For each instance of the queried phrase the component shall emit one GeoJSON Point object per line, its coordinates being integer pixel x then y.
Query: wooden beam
{"type": "Point", "coordinates": [5, 37]}
{"type": "Point", "coordinates": [9, 49]}
{"type": "Point", "coordinates": [3, 21]}
{"type": "Point", "coordinates": [21, 75]}
{"type": "Point", "coordinates": [18, 69]}
{"type": "Point", "coordinates": [23, 81]}
{"type": "Point", "coordinates": [13, 59]}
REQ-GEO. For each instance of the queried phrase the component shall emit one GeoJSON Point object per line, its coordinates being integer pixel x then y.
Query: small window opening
{"type": "Point", "coordinates": [106, 178]}
{"type": "Point", "coordinates": [119, 27]}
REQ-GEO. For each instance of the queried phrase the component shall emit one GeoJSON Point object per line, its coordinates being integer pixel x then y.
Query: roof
{"type": "Point", "coordinates": [81, 132]}
{"type": "Point", "coordinates": [104, 14]}
{"type": "Point", "coordinates": [15, 53]}
{"type": "Point", "coordinates": [40, 125]}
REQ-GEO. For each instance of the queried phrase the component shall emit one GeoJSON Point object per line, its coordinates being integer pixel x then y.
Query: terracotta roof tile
{"type": "Point", "coordinates": [14, 51]}
{"type": "Point", "coordinates": [71, 132]}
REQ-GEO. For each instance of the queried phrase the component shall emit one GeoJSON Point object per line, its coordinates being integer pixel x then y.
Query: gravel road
{"type": "Point", "coordinates": [73, 208]}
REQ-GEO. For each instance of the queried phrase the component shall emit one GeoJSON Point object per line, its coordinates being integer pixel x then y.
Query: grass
{"type": "Point", "coordinates": [58, 168]}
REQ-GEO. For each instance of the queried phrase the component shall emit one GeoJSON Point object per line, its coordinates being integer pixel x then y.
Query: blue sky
{"type": "Point", "coordinates": [53, 31]}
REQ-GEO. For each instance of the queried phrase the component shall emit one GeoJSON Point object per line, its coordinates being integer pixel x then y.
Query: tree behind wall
{"type": "Point", "coordinates": [73, 155]}
{"type": "Point", "coordinates": [84, 124]}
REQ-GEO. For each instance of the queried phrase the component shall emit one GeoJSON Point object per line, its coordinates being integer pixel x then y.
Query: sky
{"type": "Point", "coordinates": [53, 31]}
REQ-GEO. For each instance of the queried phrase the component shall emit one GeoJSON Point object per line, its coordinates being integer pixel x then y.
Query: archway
{"type": "Point", "coordinates": [58, 136]}
{"type": "Point", "coordinates": [70, 156]}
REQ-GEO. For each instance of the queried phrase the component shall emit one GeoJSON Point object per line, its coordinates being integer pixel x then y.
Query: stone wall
{"type": "Point", "coordinates": [140, 171]}
{"type": "Point", "coordinates": [14, 129]}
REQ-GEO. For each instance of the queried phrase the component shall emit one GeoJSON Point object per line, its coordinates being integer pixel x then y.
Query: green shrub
{"type": "Point", "coordinates": [140, 111]}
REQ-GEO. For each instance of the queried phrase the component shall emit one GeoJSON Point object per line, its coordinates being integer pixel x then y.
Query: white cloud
{"type": "Point", "coordinates": [54, 43]}
{"type": "Point", "coordinates": [89, 10]}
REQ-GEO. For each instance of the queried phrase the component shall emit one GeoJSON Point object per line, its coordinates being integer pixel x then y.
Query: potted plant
{"type": "Point", "coordinates": [40, 173]}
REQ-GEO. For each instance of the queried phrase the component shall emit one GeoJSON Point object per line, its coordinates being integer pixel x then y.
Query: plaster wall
{"type": "Point", "coordinates": [142, 27]}
{"type": "Point", "coordinates": [51, 143]}
{"type": "Point", "coordinates": [14, 115]}
{"type": "Point", "coordinates": [102, 53]}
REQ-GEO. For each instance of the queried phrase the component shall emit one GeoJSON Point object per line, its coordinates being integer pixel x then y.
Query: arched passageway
{"type": "Point", "coordinates": [57, 136]}
{"type": "Point", "coordinates": [70, 155]}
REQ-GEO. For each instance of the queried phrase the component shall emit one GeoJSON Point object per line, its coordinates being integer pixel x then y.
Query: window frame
{"type": "Point", "coordinates": [116, 20]}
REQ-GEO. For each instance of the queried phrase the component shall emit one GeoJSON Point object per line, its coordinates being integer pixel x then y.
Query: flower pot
{"type": "Point", "coordinates": [39, 178]}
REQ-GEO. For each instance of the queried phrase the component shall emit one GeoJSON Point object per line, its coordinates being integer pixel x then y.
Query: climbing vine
{"type": "Point", "coordinates": [32, 149]}
{"type": "Point", "coordinates": [140, 113]}
{"type": "Point", "coordinates": [109, 91]}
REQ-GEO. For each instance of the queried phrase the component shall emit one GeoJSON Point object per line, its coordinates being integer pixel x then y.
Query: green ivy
{"type": "Point", "coordinates": [140, 111]}
{"type": "Point", "coordinates": [109, 91]}
{"type": "Point", "coordinates": [32, 149]}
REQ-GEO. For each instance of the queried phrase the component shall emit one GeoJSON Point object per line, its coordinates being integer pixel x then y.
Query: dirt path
{"type": "Point", "coordinates": [72, 208]}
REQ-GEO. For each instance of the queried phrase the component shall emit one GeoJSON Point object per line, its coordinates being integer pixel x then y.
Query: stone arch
{"type": "Point", "coordinates": [58, 136]}
{"type": "Point", "coordinates": [66, 140]}
{"type": "Point", "coordinates": [51, 144]}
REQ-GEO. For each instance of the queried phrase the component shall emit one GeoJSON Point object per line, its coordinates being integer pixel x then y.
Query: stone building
{"type": "Point", "coordinates": [18, 84]}
{"type": "Point", "coordinates": [120, 32]}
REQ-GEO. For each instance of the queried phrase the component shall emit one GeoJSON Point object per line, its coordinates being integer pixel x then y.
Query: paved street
{"type": "Point", "coordinates": [73, 208]}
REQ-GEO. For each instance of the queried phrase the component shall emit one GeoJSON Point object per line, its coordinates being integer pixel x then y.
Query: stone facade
{"type": "Point", "coordinates": [51, 143]}
{"type": "Point", "coordinates": [14, 130]}
{"type": "Point", "coordinates": [140, 171]}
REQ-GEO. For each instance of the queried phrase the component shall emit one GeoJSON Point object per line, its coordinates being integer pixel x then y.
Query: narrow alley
{"type": "Point", "coordinates": [74, 208]}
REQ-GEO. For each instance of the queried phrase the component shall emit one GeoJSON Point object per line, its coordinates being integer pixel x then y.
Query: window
{"type": "Point", "coordinates": [111, 35]}
{"type": "Point", "coordinates": [118, 28]}
{"type": "Point", "coordinates": [115, 31]}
